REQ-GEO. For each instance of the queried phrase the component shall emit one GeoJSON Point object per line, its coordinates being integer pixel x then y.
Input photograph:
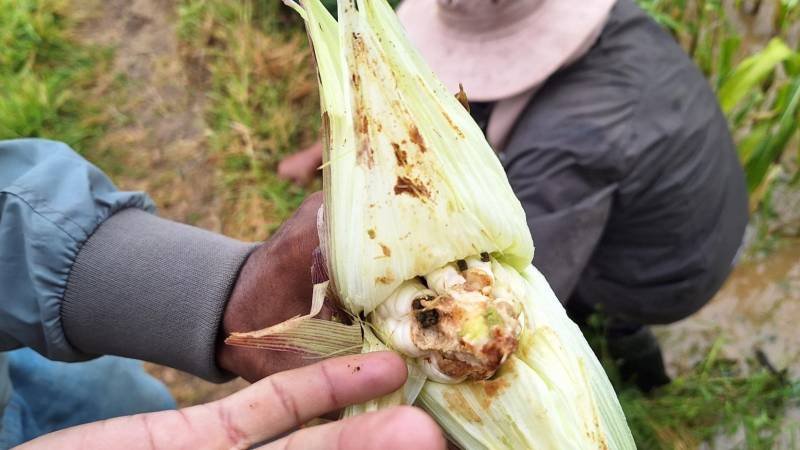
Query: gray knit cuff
{"type": "Point", "coordinates": [152, 289]}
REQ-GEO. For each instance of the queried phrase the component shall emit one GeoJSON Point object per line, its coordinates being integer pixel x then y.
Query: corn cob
{"type": "Point", "coordinates": [428, 249]}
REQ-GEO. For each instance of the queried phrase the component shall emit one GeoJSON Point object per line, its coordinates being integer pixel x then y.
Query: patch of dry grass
{"type": "Point", "coordinates": [256, 67]}
{"type": "Point", "coordinates": [154, 136]}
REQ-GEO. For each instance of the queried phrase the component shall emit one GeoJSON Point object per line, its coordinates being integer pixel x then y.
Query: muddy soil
{"type": "Point", "coordinates": [158, 145]}
{"type": "Point", "coordinates": [758, 308]}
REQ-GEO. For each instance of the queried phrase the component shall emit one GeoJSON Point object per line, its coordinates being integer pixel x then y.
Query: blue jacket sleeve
{"type": "Point", "coordinates": [51, 201]}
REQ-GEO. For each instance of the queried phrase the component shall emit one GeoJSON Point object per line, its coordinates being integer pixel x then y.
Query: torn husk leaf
{"type": "Point", "coordinates": [428, 246]}
{"type": "Point", "coordinates": [305, 334]}
{"type": "Point", "coordinates": [461, 96]}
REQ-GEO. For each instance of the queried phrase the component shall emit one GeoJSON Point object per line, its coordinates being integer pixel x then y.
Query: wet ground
{"type": "Point", "coordinates": [758, 308]}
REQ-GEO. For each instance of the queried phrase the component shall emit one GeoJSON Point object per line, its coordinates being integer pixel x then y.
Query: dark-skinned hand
{"type": "Point", "coordinates": [274, 285]}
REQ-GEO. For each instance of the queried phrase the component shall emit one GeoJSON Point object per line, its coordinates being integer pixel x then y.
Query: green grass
{"type": "Point", "coordinates": [716, 398]}
{"type": "Point", "coordinates": [713, 399]}
{"type": "Point", "coordinates": [262, 101]}
{"type": "Point", "coordinates": [47, 76]}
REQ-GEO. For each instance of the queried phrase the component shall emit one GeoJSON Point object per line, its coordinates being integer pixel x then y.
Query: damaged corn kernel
{"type": "Point", "coordinates": [462, 327]}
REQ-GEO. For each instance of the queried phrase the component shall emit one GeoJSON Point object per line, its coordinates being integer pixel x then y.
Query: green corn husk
{"type": "Point", "coordinates": [411, 185]}
{"type": "Point", "coordinates": [388, 120]}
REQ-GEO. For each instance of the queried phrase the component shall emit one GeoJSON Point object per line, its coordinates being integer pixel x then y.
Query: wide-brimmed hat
{"type": "Point", "coordinates": [500, 48]}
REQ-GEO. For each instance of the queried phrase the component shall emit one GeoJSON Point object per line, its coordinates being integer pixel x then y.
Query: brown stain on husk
{"type": "Point", "coordinates": [412, 187]}
{"type": "Point", "coordinates": [486, 391]}
{"type": "Point", "coordinates": [456, 402]}
{"type": "Point", "coordinates": [387, 278]}
{"type": "Point", "coordinates": [362, 122]}
{"type": "Point", "coordinates": [453, 125]}
{"type": "Point", "coordinates": [400, 155]}
{"type": "Point", "coordinates": [413, 134]}
{"type": "Point", "coordinates": [326, 130]}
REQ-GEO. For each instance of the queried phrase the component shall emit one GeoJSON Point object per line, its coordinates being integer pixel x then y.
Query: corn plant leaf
{"type": "Point", "coordinates": [727, 53]}
{"type": "Point", "coordinates": [749, 143]}
{"type": "Point", "coordinates": [770, 149]}
{"type": "Point", "coordinates": [751, 72]}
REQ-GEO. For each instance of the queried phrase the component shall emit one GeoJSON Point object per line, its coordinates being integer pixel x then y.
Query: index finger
{"type": "Point", "coordinates": [288, 399]}
{"type": "Point", "coordinates": [255, 414]}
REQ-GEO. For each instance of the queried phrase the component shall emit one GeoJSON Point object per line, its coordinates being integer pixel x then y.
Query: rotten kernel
{"type": "Point", "coordinates": [462, 265]}
{"type": "Point", "coordinates": [428, 318]}
{"type": "Point", "coordinates": [485, 256]}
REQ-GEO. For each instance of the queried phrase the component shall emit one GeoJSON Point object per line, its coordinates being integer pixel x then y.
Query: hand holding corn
{"type": "Point", "coordinates": [430, 254]}
{"type": "Point", "coordinates": [273, 285]}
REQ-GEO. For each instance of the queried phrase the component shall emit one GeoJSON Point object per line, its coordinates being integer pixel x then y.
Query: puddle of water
{"type": "Point", "coordinates": [759, 307]}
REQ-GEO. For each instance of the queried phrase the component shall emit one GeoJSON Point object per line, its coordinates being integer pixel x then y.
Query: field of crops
{"type": "Point", "coordinates": [196, 101]}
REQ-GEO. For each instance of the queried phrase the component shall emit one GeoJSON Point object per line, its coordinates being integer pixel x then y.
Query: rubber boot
{"type": "Point", "coordinates": [638, 356]}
